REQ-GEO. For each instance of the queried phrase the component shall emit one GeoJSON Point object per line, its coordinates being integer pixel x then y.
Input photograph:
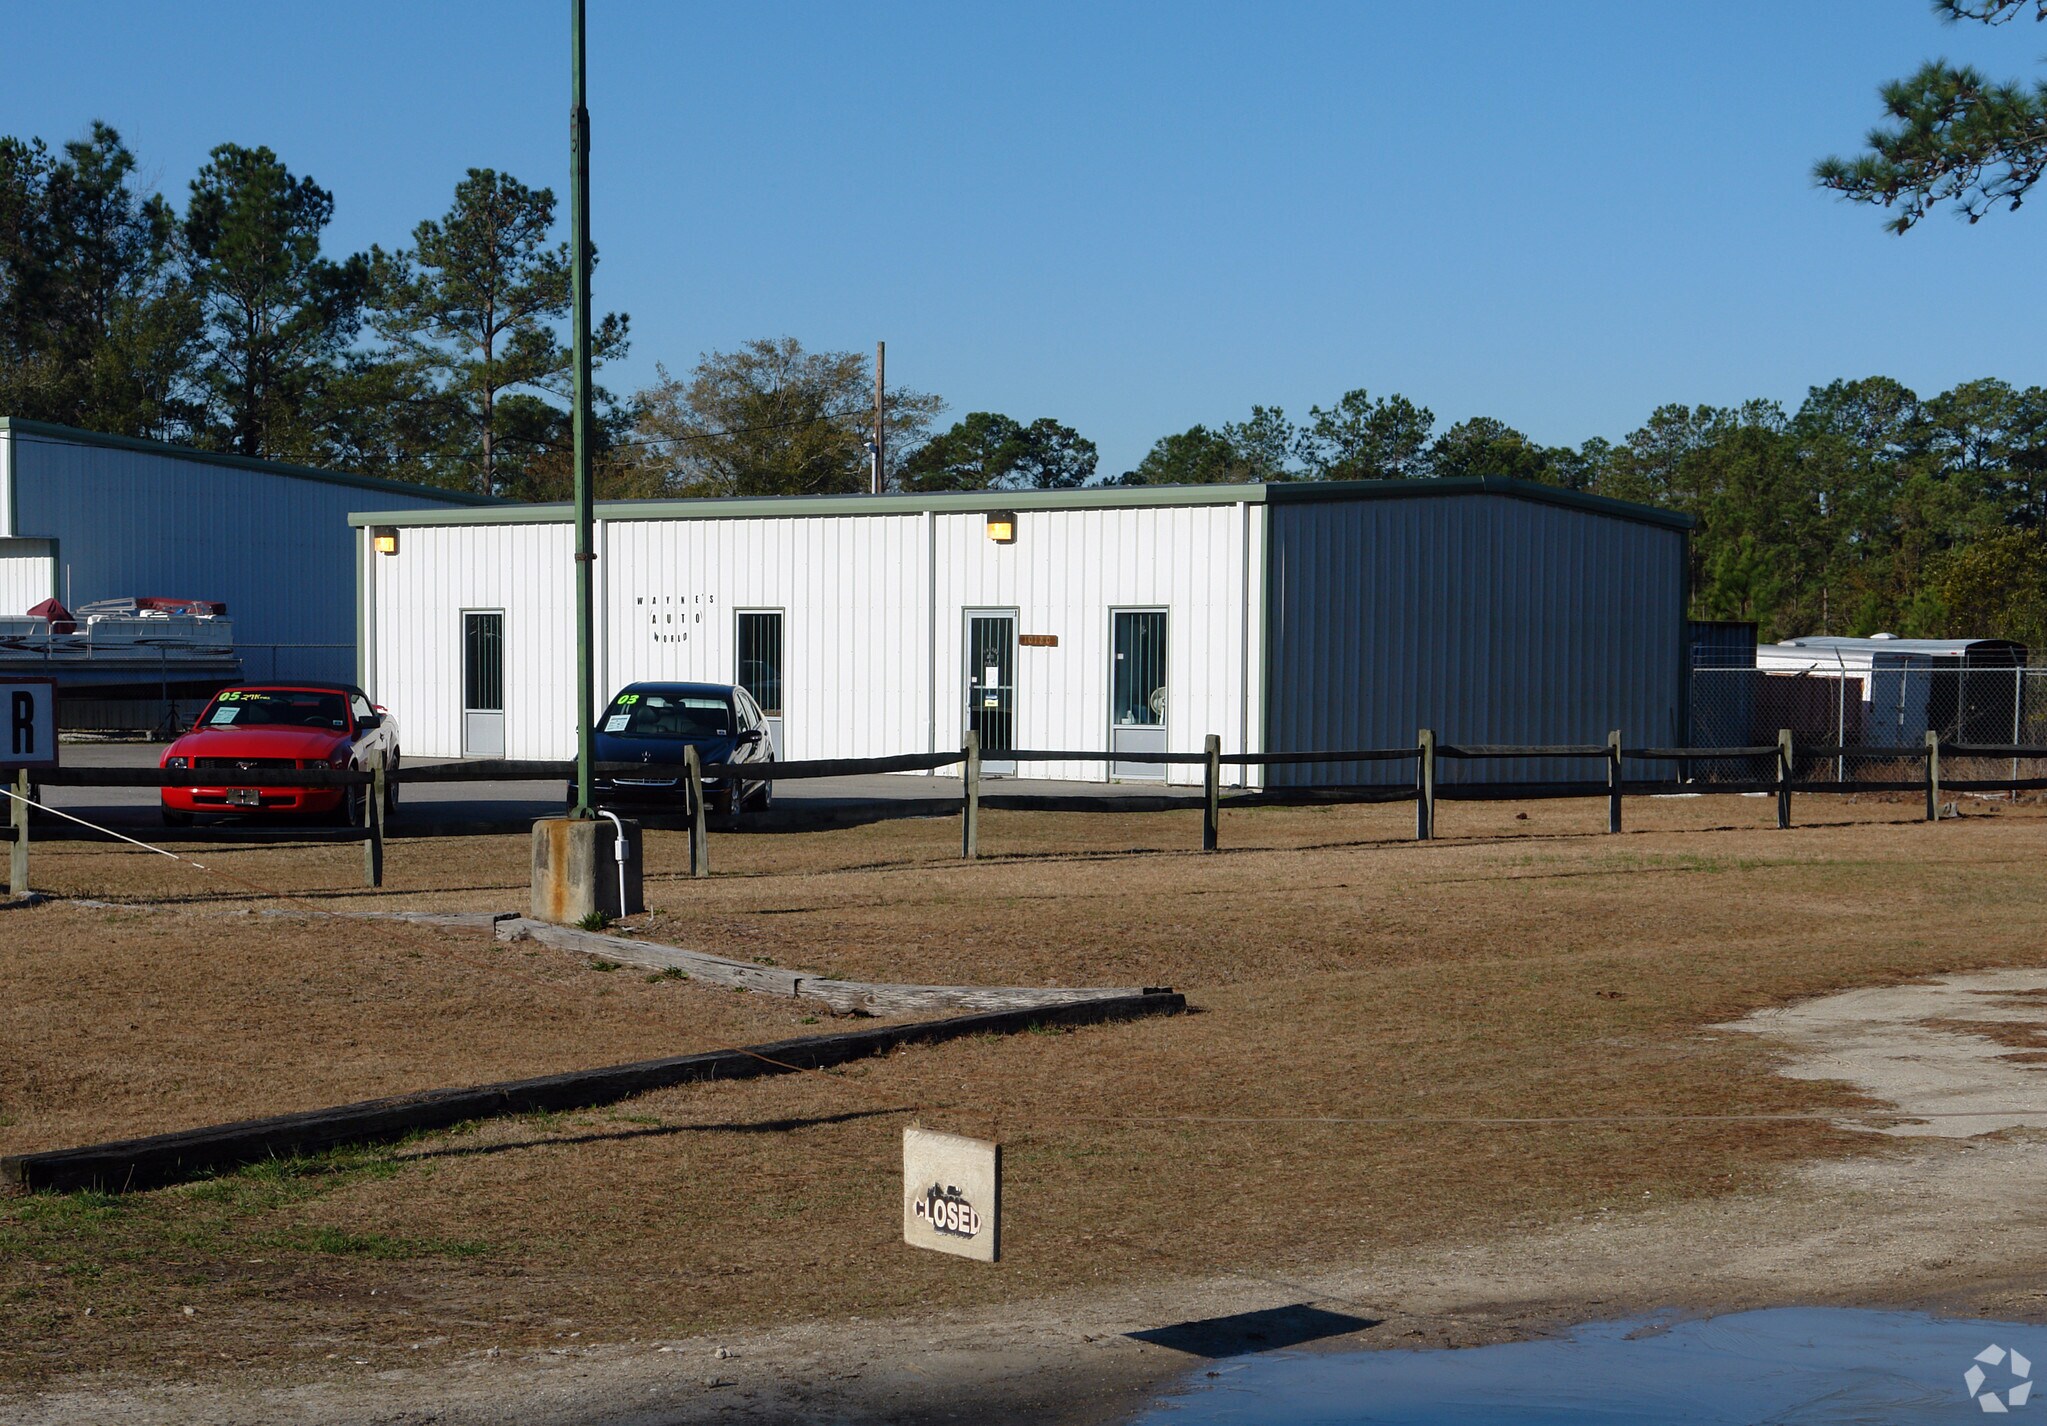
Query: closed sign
{"type": "Point", "coordinates": [28, 723]}
{"type": "Point", "coordinates": [952, 1194]}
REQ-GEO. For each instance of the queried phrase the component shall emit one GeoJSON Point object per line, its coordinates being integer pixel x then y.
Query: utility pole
{"type": "Point", "coordinates": [880, 437]}
{"type": "Point", "coordinates": [586, 556]}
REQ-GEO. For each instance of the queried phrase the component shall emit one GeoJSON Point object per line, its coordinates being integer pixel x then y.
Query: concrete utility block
{"type": "Point", "coordinates": [576, 869]}
{"type": "Point", "coordinates": [952, 1194]}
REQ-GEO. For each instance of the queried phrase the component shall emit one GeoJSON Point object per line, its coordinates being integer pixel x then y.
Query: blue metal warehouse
{"type": "Point", "coordinates": [87, 517]}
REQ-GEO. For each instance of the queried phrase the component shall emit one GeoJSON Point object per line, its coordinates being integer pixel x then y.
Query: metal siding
{"type": "Point", "coordinates": [1487, 618]}
{"type": "Point", "coordinates": [28, 574]}
{"type": "Point", "coordinates": [416, 628]}
{"type": "Point", "coordinates": [874, 609]}
{"type": "Point", "coordinates": [278, 550]}
{"type": "Point", "coordinates": [851, 591]}
{"type": "Point", "coordinates": [1064, 574]}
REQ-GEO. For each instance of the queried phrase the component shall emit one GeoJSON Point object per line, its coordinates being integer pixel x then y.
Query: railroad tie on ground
{"type": "Point", "coordinates": [843, 996]}
{"type": "Point", "coordinates": [127, 1164]}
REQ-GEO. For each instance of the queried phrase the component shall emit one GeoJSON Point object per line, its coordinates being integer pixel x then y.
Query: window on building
{"type": "Point", "coordinates": [483, 663]}
{"type": "Point", "coordinates": [760, 658]}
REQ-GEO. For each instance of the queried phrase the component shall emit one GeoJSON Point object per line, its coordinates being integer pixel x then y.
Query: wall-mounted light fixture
{"type": "Point", "coordinates": [1002, 526]}
{"type": "Point", "coordinates": [384, 538]}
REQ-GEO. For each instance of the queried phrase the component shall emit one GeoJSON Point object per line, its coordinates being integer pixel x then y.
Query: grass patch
{"type": "Point", "coordinates": [343, 1243]}
{"type": "Point", "coordinates": [1340, 972]}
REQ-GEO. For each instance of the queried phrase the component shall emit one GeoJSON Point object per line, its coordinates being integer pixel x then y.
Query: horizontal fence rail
{"type": "Point", "coordinates": [1785, 773]}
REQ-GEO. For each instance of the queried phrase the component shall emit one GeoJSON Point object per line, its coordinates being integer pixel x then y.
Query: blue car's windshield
{"type": "Point", "coordinates": [668, 715]}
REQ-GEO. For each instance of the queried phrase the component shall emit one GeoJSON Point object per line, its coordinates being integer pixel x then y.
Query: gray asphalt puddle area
{"type": "Point", "coordinates": [1789, 1365]}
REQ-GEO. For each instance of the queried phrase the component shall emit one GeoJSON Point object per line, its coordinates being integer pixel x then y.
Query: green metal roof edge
{"type": "Point", "coordinates": [1096, 497]}
{"type": "Point", "coordinates": [780, 506]}
{"type": "Point", "coordinates": [73, 436]}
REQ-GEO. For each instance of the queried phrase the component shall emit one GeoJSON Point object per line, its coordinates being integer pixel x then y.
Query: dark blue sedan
{"type": "Point", "coordinates": [653, 723]}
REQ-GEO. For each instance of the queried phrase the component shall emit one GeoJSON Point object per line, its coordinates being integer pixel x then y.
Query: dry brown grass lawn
{"type": "Point", "coordinates": [1517, 968]}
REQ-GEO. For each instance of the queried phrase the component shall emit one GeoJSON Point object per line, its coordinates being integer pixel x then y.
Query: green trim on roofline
{"type": "Point", "coordinates": [68, 435]}
{"type": "Point", "coordinates": [1098, 497]}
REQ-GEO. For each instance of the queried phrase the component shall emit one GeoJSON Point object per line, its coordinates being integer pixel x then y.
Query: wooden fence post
{"type": "Point", "coordinates": [1211, 807]}
{"type": "Point", "coordinates": [1784, 777]}
{"type": "Point", "coordinates": [1425, 786]}
{"type": "Point", "coordinates": [1613, 781]}
{"type": "Point", "coordinates": [699, 826]}
{"type": "Point", "coordinates": [373, 828]}
{"type": "Point", "coordinates": [1933, 774]}
{"type": "Point", "coordinates": [970, 796]}
{"type": "Point", "coordinates": [17, 851]}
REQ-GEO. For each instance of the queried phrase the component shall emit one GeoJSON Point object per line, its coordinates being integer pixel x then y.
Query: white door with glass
{"type": "Point", "coordinates": [1137, 693]}
{"type": "Point", "coordinates": [991, 686]}
{"type": "Point", "coordinates": [483, 683]}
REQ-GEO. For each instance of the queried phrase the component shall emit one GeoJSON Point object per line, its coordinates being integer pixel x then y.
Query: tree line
{"type": "Point", "coordinates": [1866, 508]}
{"type": "Point", "coordinates": [225, 324]}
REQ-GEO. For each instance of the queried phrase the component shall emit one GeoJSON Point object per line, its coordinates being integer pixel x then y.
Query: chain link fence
{"type": "Point", "coordinates": [1868, 726]}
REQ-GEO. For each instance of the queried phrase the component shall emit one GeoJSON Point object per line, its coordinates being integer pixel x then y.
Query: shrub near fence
{"type": "Point", "coordinates": [1783, 768]}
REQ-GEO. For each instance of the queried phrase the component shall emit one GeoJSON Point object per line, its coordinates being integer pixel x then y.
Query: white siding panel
{"type": "Point", "coordinates": [1064, 575]}
{"type": "Point", "coordinates": [28, 574]}
{"type": "Point", "coordinates": [420, 594]}
{"type": "Point", "coordinates": [874, 622]}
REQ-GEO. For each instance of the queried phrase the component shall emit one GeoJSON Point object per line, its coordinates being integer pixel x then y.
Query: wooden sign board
{"type": "Point", "coordinates": [952, 1194]}
{"type": "Point", "coordinates": [1038, 641]}
{"type": "Point", "coordinates": [28, 722]}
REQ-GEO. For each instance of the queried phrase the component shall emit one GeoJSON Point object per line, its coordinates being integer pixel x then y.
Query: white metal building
{"type": "Point", "coordinates": [86, 517]}
{"type": "Point", "coordinates": [1283, 617]}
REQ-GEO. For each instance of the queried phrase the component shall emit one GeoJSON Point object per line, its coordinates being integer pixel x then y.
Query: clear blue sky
{"type": "Point", "coordinates": [1136, 217]}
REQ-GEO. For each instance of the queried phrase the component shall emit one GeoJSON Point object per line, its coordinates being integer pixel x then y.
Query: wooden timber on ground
{"type": "Point", "coordinates": [129, 1164]}
{"type": "Point", "coordinates": [844, 996]}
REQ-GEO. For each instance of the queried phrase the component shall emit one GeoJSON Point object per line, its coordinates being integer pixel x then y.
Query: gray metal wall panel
{"type": "Point", "coordinates": [1489, 619]}
{"type": "Point", "coordinates": [278, 550]}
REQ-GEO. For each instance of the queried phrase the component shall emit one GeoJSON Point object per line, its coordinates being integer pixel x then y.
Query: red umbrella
{"type": "Point", "coordinates": [60, 618]}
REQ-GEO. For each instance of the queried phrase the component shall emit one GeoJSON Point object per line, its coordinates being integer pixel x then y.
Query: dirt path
{"type": "Point", "coordinates": [1950, 1219]}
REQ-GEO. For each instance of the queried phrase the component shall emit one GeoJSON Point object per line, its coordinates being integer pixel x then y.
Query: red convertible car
{"type": "Point", "coordinates": [282, 725]}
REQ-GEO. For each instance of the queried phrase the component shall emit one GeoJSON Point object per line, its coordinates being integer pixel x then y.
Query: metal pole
{"type": "Point", "coordinates": [1613, 781]}
{"type": "Point", "coordinates": [1841, 716]}
{"type": "Point", "coordinates": [1933, 774]}
{"type": "Point", "coordinates": [1211, 806]}
{"type": "Point", "coordinates": [586, 555]}
{"type": "Point", "coordinates": [1783, 777]}
{"type": "Point", "coordinates": [2018, 700]}
{"type": "Point", "coordinates": [880, 432]}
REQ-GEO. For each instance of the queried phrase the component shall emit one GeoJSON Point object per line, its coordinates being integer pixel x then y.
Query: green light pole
{"type": "Point", "coordinates": [586, 557]}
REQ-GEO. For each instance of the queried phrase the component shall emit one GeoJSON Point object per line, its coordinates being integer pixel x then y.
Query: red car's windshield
{"type": "Point", "coordinates": [275, 708]}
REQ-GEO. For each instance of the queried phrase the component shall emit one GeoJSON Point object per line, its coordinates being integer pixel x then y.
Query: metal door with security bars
{"type": "Point", "coordinates": [1137, 694]}
{"type": "Point", "coordinates": [759, 666]}
{"type": "Point", "coordinates": [483, 683]}
{"type": "Point", "coordinates": [991, 686]}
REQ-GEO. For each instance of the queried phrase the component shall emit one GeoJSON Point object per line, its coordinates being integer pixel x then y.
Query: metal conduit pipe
{"type": "Point", "coordinates": [619, 853]}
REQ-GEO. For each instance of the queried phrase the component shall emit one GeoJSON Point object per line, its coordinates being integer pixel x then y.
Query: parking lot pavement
{"type": "Point", "coordinates": [513, 804]}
